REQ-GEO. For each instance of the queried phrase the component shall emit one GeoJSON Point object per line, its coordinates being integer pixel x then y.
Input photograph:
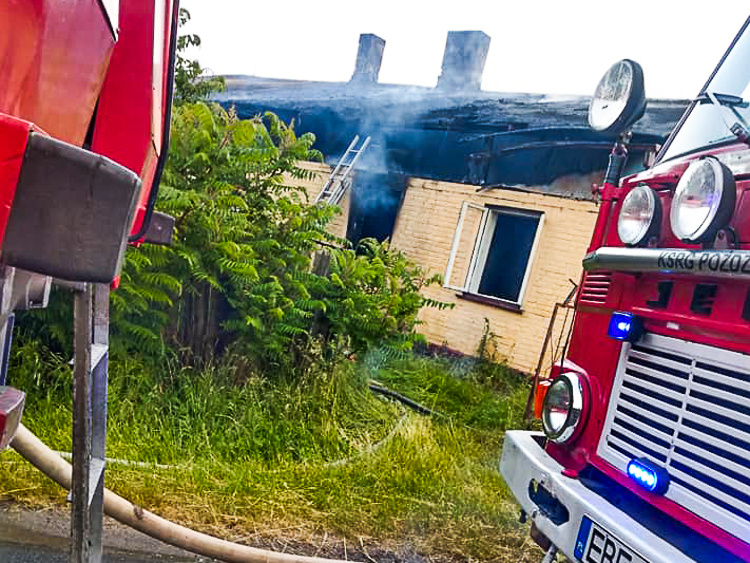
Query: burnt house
{"type": "Point", "coordinates": [492, 190]}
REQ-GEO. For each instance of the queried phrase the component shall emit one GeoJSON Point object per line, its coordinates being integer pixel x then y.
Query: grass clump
{"type": "Point", "coordinates": [253, 459]}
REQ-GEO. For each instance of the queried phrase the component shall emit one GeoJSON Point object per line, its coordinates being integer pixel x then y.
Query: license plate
{"type": "Point", "coordinates": [597, 545]}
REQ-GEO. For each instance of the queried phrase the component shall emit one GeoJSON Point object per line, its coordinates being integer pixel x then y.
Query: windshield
{"type": "Point", "coordinates": [722, 103]}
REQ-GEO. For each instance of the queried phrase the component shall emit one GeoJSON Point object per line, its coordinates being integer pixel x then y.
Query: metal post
{"type": "Point", "coordinates": [550, 555]}
{"type": "Point", "coordinates": [89, 421]}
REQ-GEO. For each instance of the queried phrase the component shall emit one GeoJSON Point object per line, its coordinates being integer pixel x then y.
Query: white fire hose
{"type": "Point", "coordinates": [122, 510]}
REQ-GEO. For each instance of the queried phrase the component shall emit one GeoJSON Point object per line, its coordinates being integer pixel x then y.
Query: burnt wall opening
{"type": "Point", "coordinates": [375, 201]}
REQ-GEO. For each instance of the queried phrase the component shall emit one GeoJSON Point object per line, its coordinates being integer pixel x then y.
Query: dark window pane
{"type": "Point", "coordinates": [508, 255]}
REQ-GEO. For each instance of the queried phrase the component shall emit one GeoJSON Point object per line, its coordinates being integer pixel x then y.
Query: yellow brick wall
{"type": "Point", "coordinates": [338, 225]}
{"type": "Point", "coordinates": [425, 229]}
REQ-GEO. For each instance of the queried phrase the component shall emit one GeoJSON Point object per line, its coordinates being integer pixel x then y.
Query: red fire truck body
{"type": "Point", "coordinates": [85, 71]}
{"type": "Point", "coordinates": [84, 120]}
{"type": "Point", "coordinates": [652, 461]}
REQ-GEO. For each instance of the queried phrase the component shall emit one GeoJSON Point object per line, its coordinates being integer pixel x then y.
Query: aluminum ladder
{"type": "Point", "coordinates": [339, 180]}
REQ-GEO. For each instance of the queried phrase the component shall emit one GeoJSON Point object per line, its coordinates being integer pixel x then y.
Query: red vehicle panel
{"type": "Point", "coordinates": [53, 58]}
{"type": "Point", "coordinates": [130, 116]}
{"type": "Point", "coordinates": [73, 76]}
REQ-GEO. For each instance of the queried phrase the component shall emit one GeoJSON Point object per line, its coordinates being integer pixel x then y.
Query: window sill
{"type": "Point", "coordinates": [492, 302]}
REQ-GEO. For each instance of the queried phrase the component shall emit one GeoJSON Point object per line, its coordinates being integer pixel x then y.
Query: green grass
{"type": "Point", "coordinates": [257, 456]}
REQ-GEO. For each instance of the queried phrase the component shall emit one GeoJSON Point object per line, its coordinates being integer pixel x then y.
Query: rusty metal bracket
{"type": "Point", "coordinates": [567, 304]}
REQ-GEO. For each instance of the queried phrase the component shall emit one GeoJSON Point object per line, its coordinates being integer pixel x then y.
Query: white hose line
{"type": "Point", "coordinates": [371, 450]}
{"type": "Point", "coordinates": [122, 510]}
{"type": "Point", "coordinates": [67, 456]}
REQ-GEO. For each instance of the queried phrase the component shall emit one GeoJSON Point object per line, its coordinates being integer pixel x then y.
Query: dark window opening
{"type": "Point", "coordinates": [375, 200]}
{"type": "Point", "coordinates": [504, 253]}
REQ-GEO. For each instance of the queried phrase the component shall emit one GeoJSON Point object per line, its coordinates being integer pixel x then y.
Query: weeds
{"type": "Point", "coordinates": [257, 456]}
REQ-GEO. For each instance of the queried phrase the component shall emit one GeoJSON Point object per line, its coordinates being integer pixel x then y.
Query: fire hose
{"type": "Point", "coordinates": [53, 466]}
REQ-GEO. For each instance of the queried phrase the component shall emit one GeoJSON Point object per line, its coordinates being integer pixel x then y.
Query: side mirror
{"type": "Point", "coordinates": [619, 100]}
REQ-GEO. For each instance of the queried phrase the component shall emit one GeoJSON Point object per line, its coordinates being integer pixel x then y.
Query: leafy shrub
{"type": "Point", "coordinates": [373, 296]}
{"type": "Point", "coordinates": [239, 275]}
{"type": "Point", "coordinates": [240, 271]}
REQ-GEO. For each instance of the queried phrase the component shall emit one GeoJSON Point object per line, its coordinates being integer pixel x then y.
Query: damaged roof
{"type": "Point", "coordinates": [450, 133]}
{"type": "Point", "coordinates": [477, 112]}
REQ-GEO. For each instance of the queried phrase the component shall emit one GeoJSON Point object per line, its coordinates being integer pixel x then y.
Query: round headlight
{"type": "Point", "coordinates": [703, 201]}
{"type": "Point", "coordinates": [619, 99]}
{"type": "Point", "coordinates": [640, 215]}
{"type": "Point", "coordinates": [563, 407]}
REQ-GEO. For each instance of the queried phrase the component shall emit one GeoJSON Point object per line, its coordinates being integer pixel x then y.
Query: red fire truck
{"type": "Point", "coordinates": [84, 121]}
{"type": "Point", "coordinates": [645, 455]}
{"type": "Point", "coordinates": [85, 102]}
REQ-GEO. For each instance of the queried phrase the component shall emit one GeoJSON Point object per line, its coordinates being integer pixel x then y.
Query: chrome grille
{"type": "Point", "coordinates": [595, 288]}
{"type": "Point", "coordinates": [686, 407]}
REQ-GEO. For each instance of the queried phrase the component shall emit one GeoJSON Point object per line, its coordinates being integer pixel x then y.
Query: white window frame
{"type": "Point", "coordinates": [482, 244]}
{"type": "Point", "coordinates": [457, 241]}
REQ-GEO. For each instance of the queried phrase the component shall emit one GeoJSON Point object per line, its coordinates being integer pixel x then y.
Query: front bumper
{"type": "Point", "coordinates": [524, 461]}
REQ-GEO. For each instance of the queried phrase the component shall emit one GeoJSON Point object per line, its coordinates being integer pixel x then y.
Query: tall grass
{"type": "Point", "coordinates": [254, 456]}
{"type": "Point", "coordinates": [176, 415]}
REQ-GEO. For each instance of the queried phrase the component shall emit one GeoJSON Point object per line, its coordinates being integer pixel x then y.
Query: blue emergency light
{"type": "Point", "coordinates": [648, 475]}
{"type": "Point", "coordinates": [625, 326]}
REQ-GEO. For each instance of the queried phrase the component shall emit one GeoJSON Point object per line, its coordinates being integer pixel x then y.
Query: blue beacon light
{"type": "Point", "coordinates": [649, 476]}
{"type": "Point", "coordinates": [625, 326]}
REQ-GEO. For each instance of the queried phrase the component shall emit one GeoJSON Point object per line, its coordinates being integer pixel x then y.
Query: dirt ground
{"type": "Point", "coordinates": [40, 533]}
{"type": "Point", "coordinates": [44, 534]}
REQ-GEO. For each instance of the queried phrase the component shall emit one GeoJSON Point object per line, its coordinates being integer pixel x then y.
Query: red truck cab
{"type": "Point", "coordinates": [645, 455]}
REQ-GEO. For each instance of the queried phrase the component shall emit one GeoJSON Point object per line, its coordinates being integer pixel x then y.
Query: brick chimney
{"type": "Point", "coordinates": [463, 61]}
{"type": "Point", "coordinates": [369, 57]}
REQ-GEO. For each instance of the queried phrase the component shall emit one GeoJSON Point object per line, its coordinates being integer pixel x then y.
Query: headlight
{"type": "Point", "coordinates": [563, 407]}
{"type": "Point", "coordinates": [619, 99]}
{"type": "Point", "coordinates": [640, 216]}
{"type": "Point", "coordinates": [703, 201]}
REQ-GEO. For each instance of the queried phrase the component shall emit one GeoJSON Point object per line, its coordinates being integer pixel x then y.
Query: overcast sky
{"type": "Point", "coordinates": [540, 46]}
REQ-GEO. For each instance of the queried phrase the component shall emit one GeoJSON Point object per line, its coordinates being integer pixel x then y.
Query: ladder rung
{"type": "Point", "coordinates": [337, 184]}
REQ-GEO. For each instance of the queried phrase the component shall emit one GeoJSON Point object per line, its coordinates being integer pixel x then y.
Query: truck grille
{"type": "Point", "coordinates": [686, 407]}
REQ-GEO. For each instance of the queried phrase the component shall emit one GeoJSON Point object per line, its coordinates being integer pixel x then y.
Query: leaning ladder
{"type": "Point", "coordinates": [339, 180]}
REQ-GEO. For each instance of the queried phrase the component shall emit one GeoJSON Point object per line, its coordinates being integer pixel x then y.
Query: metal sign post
{"type": "Point", "coordinates": [91, 307]}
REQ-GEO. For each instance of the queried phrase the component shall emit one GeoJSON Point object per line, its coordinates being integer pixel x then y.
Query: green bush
{"type": "Point", "coordinates": [373, 296]}
{"type": "Point", "coordinates": [239, 275]}
{"type": "Point", "coordinates": [240, 270]}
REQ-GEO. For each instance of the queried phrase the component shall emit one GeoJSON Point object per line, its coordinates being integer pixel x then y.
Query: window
{"type": "Point", "coordinates": [492, 252]}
